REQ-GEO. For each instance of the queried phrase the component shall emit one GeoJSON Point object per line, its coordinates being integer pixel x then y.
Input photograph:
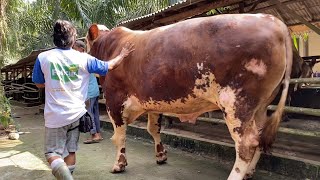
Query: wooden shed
{"type": "Point", "coordinates": [17, 80]}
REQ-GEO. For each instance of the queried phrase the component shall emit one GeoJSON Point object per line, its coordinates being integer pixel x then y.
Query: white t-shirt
{"type": "Point", "coordinates": [65, 73]}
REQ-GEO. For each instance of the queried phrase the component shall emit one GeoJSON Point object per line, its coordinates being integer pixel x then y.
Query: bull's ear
{"type": "Point", "coordinates": [93, 32]}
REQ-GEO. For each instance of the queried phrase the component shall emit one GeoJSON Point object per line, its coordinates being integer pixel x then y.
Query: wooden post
{"type": "Point", "coordinates": [306, 47]}
{"type": "Point", "coordinates": [255, 5]}
{"type": "Point", "coordinates": [13, 74]}
{"type": "Point", "coordinates": [24, 73]}
{"type": "Point", "coordinates": [241, 7]}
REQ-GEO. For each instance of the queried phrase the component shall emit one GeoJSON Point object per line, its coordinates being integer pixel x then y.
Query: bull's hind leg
{"type": "Point", "coordinates": [260, 118]}
{"type": "Point", "coordinates": [239, 112]}
{"type": "Point", "coordinates": [245, 135]}
{"type": "Point", "coordinates": [154, 127]}
{"type": "Point", "coordinates": [253, 164]}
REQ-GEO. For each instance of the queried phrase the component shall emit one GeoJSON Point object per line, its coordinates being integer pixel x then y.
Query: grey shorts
{"type": "Point", "coordinates": [61, 141]}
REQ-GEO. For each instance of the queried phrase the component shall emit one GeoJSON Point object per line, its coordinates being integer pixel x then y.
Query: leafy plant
{"type": "Point", "coordinates": [5, 111]}
{"type": "Point", "coordinates": [26, 26]}
{"type": "Point", "coordinates": [218, 11]}
{"type": "Point", "coordinates": [305, 36]}
{"type": "Point", "coordinates": [295, 41]}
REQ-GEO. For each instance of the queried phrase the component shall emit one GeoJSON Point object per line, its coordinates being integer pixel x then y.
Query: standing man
{"type": "Point", "coordinates": [64, 73]}
{"type": "Point", "coordinates": [92, 101]}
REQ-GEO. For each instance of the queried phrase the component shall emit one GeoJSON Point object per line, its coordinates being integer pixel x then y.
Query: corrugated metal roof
{"type": "Point", "coordinates": [177, 8]}
{"type": "Point", "coordinates": [308, 9]}
{"type": "Point", "coordinates": [177, 5]}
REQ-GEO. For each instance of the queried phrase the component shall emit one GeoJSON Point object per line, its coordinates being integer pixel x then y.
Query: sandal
{"type": "Point", "coordinates": [91, 141]}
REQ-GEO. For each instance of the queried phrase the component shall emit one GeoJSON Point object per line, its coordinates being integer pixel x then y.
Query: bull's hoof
{"type": "Point", "coordinates": [162, 157]}
{"type": "Point", "coordinates": [118, 168]}
{"type": "Point", "coordinates": [162, 161]}
{"type": "Point", "coordinates": [248, 176]}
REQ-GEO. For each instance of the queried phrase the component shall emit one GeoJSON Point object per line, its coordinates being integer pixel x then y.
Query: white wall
{"type": "Point", "coordinates": [314, 44]}
{"type": "Point", "coordinates": [313, 48]}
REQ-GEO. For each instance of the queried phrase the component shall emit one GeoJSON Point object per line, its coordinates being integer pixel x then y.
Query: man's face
{"type": "Point", "coordinates": [80, 49]}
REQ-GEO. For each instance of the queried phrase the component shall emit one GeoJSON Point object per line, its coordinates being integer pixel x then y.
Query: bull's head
{"type": "Point", "coordinates": [307, 69]}
{"type": "Point", "coordinates": [300, 68]}
{"type": "Point", "coordinates": [94, 32]}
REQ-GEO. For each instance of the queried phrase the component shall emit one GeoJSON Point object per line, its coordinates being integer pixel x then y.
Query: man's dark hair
{"type": "Point", "coordinates": [64, 34]}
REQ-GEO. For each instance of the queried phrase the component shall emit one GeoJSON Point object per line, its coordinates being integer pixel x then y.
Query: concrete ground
{"type": "Point", "coordinates": [23, 158]}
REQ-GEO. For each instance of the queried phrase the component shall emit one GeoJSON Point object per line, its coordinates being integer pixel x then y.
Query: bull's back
{"type": "Point", "coordinates": [223, 50]}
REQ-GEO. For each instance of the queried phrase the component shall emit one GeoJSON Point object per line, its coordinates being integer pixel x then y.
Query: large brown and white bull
{"type": "Point", "coordinates": [235, 63]}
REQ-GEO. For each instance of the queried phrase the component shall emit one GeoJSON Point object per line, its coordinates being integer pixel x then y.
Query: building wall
{"type": "Point", "coordinates": [314, 44]}
{"type": "Point", "coordinates": [311, 49]}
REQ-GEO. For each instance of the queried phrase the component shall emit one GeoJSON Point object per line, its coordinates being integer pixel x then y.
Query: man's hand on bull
{"type": "Point", "coordinates": [126, 50]}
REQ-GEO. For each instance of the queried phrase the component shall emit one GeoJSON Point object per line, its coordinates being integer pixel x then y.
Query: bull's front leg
{"type": "Point", "coordinates": [154, 127]}
{"type": "Point", "coordinates": [119, 140]}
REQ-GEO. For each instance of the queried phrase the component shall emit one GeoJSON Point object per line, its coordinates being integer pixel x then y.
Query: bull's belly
{"type": "Point", "coordinates": [181, 108]}
{"type": "Point", "coordinates": [187, 110]}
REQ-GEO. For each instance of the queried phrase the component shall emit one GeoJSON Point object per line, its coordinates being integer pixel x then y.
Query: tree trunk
{"type": "Point", "coordinates": [3, 23]}
{"type": "Point", "coordinates": [57, 9]}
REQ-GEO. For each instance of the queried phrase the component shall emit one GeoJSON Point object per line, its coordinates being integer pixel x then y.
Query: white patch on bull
{"type": "Point", "coordinates": [256, 66]}
{"type": "Point", "coordinates": [133, 32]}
{"type": "Point", "coordinates": [201, 100]}
{"type": "Point", "coordinates": [259, 15]}
{"type": "Point", "coordinates": [102, 27]}
{"type": "Point", "coordinates": [238, 46]}
{"type": "Point", "coordinates": [133, 103]}
{"type": "Point", "coordinates": [227, 99]}
{"type": "Point", "coordinates": [200, 66]}
{"type": "Point", "coordinates": [132, 109]}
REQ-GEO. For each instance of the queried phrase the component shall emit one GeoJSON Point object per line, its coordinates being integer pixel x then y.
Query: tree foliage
{"type": "Point", "coordinates": [26, 26]}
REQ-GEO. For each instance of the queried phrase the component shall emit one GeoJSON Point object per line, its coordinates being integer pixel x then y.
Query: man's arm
{"type": "Point", "coordinates": [126, 50]}
{"type": "Point", "coordinates": [37, 75]}
{"type": "Point", "coordinates": [40, 85]}
{"type": "Point", "coordinates": [101, 67]}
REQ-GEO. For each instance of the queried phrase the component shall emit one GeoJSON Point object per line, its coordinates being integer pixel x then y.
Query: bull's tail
{"type": "Point", "coordinates": [271, 127]}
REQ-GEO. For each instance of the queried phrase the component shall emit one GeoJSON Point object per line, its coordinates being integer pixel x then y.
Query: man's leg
{"type": "Point", "coordinates": [96, 116]}
{"type": "Point", "coordinates": [55, 140]}
{"type": "Point", "coordinates": [70, 160]}
{"type": "Point", "coordinates": [72, 146]}
{"type": "Point", "coordinates": [91, 106]}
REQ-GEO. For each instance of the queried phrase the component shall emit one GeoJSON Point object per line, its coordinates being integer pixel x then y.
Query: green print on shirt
{"type": "Point", "coordinates": [64, 73]}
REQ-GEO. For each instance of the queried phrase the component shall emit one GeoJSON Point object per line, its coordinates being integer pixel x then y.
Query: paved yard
{"type": "Point", "coordinates": [23, 159]}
